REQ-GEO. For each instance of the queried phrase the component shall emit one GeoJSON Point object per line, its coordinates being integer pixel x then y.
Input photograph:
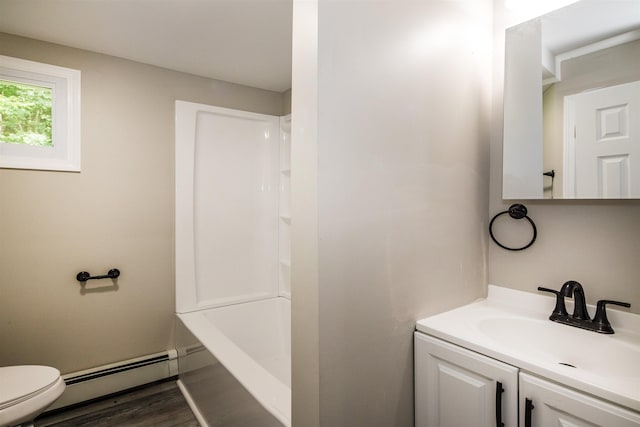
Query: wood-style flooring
{"type": "Point", "coordinates": [156, 405]}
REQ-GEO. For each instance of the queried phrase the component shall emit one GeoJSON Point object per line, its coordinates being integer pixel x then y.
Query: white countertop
{"type": "Point", "coordinates": [513, 327]}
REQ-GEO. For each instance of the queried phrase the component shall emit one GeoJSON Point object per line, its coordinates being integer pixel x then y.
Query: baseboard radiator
{"type": "Point", "coordinates": [109, 379]}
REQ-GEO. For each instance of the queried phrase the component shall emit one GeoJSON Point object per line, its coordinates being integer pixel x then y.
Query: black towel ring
{"type": "Point", "coordinates": [516, 211]}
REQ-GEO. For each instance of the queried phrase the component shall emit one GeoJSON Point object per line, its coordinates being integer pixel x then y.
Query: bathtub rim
{"type": "Point", "coordinates": [266, 388]}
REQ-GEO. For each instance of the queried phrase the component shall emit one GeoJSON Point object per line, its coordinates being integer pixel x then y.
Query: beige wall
{"type": "Point", "coordinates": [401, 150]}
{"type": "Point", "coordinates": [594, 242]}
{"type": "Point", "coordinates": [286, 109]}
{"type": "Point", "coordinates": [305, 345]}
{"type": "Point", "coordinates": [118, 212]}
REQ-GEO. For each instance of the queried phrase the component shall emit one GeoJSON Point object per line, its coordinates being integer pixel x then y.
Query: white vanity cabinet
{"type": "Point", "coordinates": [455, 387]}
{"type": "Point", "coordinates": [555, 405]}
{"type": "Point", "coordinates": [572, 377]}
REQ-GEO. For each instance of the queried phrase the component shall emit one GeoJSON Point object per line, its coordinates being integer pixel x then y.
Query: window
{"type": "Point", "coordinates": [39, 116]}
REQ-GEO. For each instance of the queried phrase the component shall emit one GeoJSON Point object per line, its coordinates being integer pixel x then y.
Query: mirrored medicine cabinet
{"type": "Point", "coordinates": [572, 103]}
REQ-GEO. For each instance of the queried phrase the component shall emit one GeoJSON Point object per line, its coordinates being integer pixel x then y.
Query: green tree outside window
{"type": "Point", "coordinates": [25, 114]}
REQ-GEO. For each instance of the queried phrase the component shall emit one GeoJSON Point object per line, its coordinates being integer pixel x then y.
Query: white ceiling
{"type": "Point", "coordinates": [240, 41]}
{"type": "Point", "coordinates": [587, 22]}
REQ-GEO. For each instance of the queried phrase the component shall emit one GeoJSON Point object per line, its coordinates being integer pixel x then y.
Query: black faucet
{"type": "Point", "coordinates": [574, 289]}
{"type": "Point", "coordinates": [580, 317]}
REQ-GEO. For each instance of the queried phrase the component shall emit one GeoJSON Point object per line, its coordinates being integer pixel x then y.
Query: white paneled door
{"type": "Point", "coordinates": [602, 143]}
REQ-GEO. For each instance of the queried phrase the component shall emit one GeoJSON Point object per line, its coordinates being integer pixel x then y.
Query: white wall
{"type": "Point", "coordinates": [593, 242]}
{"type": "Point", "coordinates": [118, 212]}
{"type": "Point", "coordinates": [397, 191]}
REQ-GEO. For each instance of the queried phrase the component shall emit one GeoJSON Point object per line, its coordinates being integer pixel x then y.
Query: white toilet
{"type": "Point", "coordinates": [26, 391]}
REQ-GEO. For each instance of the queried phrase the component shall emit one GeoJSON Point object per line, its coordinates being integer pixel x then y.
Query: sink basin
{"type": "Point", "coordinates": [569, 347]}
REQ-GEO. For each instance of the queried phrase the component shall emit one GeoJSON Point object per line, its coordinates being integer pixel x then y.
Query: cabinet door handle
{"type": "Point", "coordinates": [499, 391]}
{"type": "Point", "coordinates": [528, 408]}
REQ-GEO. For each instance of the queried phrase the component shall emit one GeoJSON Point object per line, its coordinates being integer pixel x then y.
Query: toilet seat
{"type": "Point", "coordinates": [26, 391]}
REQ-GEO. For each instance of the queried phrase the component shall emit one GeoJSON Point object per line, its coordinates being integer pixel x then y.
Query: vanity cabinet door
{"type": "Point", "coordinates": [455, 387]}
{"type": "Point", "coordinates": [556, 405]}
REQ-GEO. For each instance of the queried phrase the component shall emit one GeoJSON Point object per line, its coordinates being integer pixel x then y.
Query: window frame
{"type": "Point", "coordinates": [65, 83]}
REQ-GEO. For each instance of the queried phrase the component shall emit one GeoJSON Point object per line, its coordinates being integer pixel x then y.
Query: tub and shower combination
{"type": "Point", "coordinates": [232, 265]}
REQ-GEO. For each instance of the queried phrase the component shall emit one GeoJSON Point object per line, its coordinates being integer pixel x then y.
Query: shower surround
{"type": "Point", "coordinates": [232, 264]}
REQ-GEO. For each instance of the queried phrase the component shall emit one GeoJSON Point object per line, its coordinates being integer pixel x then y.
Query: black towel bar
{"type": "Point", "coordinates": [83, 276]}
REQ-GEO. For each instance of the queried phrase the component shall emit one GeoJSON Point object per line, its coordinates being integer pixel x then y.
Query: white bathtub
{"type": "Point", "coordinates": [226, 350]}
